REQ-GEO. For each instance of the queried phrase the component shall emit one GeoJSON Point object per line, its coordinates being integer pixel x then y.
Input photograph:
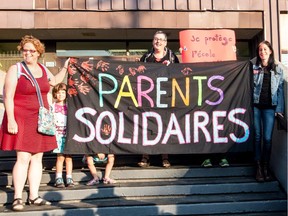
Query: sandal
{"type": "Point", "coordinates": [17, 204]}
{"type": "Point", "coordinates": [93, 182]}
{"type": "Point", "coordinates": [166, 163]}
{"type": "Point", "coordinates": [144, 163]}
{"type": "Point", "coordinates": [109, 181]}
{"type": "Point", "coordinates": [40, 202]}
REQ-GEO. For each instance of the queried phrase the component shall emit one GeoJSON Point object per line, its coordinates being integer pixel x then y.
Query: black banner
{"type": "Point", "coordinates": [136, 107]}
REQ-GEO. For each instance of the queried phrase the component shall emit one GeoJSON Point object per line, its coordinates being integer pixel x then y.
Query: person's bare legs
{"type": "Point", "coordinates": [59, 164]}
{"type": "Point", "coordinates": [19, 173]}
{"type": "Point", "coordinates": [59, 171]}
{"type": "Point", "coordinates": [91, 166]}
{"type": "Point", "coordinates": [108, 169]}
{"type": "Point", "coordinates": [93, 171]}
{"type": "Point", "coordinates": [35, 175]}
{"type": "Point", "coordinates": [109, 165]}
{"type": "Point", "coordinates": [69, 165]}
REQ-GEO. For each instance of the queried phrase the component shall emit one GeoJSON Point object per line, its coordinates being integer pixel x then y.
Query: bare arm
{"type": "Point", "coordinates": [9, 92]}
{"type": "Point", "coordinates": [59, 76]}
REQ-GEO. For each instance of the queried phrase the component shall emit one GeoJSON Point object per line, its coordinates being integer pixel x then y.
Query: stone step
{"type": "Point", "coordinates": [177, 205]}
{"type": "Point", "coordinates": [132, 173]}
{"type": "Point", "coordinates": [184, 189]}
{"type": "Point", "coordinates": [148, 188]}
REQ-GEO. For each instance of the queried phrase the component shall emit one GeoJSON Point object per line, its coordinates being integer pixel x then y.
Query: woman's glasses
{"type": "Point", "coordinates": [27, 50]}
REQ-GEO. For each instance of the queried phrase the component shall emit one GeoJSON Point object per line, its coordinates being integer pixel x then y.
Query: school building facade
{"type": "Point", "coordinates": [123, 30]}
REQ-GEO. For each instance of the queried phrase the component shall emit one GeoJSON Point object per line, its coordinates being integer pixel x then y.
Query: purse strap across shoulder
{"type": "Point", "coordinates": [35, 83]}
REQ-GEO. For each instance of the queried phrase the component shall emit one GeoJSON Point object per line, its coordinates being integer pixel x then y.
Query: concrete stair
{"type": "Point", "coordinates": [182, 189]}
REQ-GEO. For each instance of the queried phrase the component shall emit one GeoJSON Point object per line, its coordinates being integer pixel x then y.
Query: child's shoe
{"type": "Point", "coordinates": [70, 182]}
{"type": "Point", "coordinates": [59, 183]}
{"type": "Point", "coordinates": [206, 163]}
{"type": "Point", "coordinates": [224, 163]}
{"type": "Point", "coordinates": [144, 163]}
{"type": "Point", "coordinates": [109, 181]}
{"type": "Point", "coordinates": [166, 163]}
{"type": "Point", "coordinates": [93, 182]}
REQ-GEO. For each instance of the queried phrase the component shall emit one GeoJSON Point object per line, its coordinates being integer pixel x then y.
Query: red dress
{"type": "Point", "coordinates": [26, 108]}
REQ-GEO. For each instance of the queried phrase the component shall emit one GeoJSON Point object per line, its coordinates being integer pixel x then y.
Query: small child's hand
{"type": "Point", "coordinates": [106, 130]}
{"type": "Point", "coordinates": [166, 62]}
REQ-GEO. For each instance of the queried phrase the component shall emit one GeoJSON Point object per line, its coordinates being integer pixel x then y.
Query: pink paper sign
{"type": "Point", "coordinates": [207, 45]}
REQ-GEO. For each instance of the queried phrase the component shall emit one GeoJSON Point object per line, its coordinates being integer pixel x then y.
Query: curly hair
{"type": "Point", "coordinates": [35, 41]}
{"type": "Point", "coordinates": [57, 88]}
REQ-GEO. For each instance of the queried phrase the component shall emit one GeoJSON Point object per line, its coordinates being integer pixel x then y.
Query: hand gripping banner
{"type": "Point", "coordinates": [136, 107]}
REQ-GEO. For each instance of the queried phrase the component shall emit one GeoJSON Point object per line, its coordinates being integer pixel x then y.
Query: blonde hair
{"type": "Point", "coordinates": [35, 41]}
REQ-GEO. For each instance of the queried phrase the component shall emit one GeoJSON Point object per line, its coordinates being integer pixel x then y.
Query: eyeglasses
{"type": "Point", "coordinates": [31, 51]}
{"type": "Point", "coordinates": [159, 39]}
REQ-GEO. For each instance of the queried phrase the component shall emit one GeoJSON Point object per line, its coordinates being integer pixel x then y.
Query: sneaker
{"type": "Point", "coordinates": [206, 163]}
{"type": "Point", "coordinates": [59, 183]}
{"type": "Point", "coordinates": [70, 182]}
{"type": "Point", "coordinates": [93, 182]}
{"type": "Point", "coordinates": [224, 163]}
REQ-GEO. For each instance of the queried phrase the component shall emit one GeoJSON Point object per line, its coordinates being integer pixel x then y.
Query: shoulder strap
{"type": "Point", "coordinates": [20, 73]}
{"type": "Point", "coordinates": [46, 69]}
{"type": "Point", "coordinates": [18, 70]}
{"type": "Point", "coordinates": [171, 56]}
{"type": "Point", "coordinates": [35, 83]}
{"type": "Point", "coordinates": [147, 56]}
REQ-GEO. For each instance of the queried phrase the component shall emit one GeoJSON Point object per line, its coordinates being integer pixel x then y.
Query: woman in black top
{"type": "Point", "coordinates": [159, 54]}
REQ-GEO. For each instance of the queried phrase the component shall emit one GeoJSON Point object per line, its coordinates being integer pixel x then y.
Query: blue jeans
{"type": "Point", "coordinates": [263, 125]}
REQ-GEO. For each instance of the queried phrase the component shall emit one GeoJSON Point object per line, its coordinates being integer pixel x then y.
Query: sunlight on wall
{"type": "Point", "coordinates": [283, 38]}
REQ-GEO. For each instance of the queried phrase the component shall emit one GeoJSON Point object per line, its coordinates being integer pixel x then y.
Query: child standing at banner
{"type": "Point", "coordinates": [60, 114]}
{"type": "Point", "coordinates": [99, 158]}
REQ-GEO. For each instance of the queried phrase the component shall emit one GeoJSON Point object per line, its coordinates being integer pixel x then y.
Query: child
{"type": "Point", "coordinates": [100, 158]}
{"type": "Point", "coordinates": [60, 114]}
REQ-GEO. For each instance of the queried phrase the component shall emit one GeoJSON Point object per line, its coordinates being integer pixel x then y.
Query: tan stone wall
{"type": "Point", "coordinates": [116, 5]}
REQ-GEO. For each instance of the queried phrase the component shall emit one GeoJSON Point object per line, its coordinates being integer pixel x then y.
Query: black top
{"type": "Point", "coordinates": [265, 101]}
{"type": "Point", "coordinates": [149, 57]}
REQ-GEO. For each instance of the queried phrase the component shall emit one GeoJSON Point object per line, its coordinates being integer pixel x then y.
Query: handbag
{"type": "Point", "coordinates": [281, 122]}
{"type": "Point", "coordinates": [46, 123]}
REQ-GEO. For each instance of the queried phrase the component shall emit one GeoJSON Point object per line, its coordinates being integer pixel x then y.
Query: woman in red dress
{"type": "Point", "coordinates": [19, 127]}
